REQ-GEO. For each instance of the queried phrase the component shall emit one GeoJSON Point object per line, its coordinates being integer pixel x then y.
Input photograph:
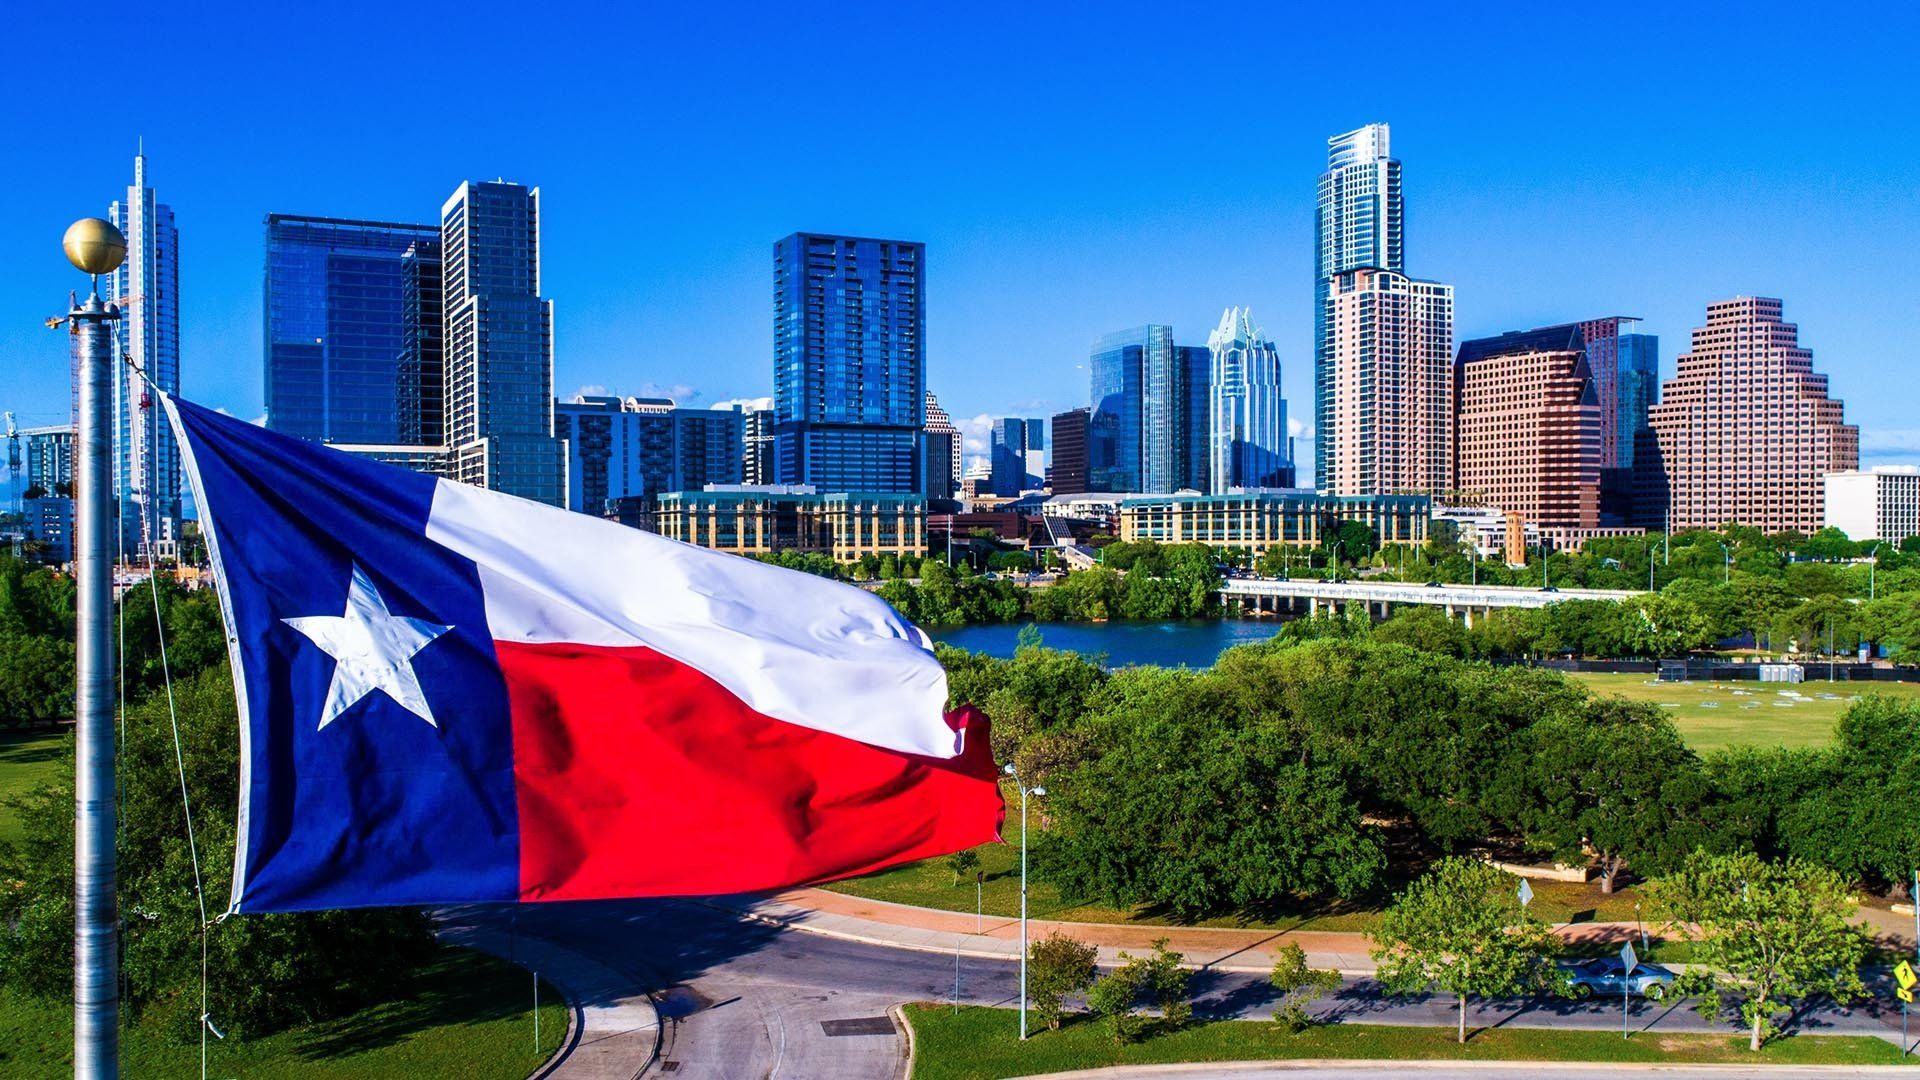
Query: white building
{"type": "Point", "coordinates": [1247, 417]}
{"type": "Point", "coordinates": [1881, 503]}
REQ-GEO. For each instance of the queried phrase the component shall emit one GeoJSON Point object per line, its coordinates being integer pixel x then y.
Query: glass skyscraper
{"type": "Point", "coordinates": [1248, 427]}
{"type": "Point", "coordinates": [1148, 428]}
{"type": "Point", "coordinates": [849, 362]}
{"type": "Point", "coordinates": [1017, 451]}
{"type": "Point", "coordinates": [336, 327]}
{"type": "Point", "coordinates": [423, 365]}
{"type": "Point", "coordinates": [1359, 224]}
{"type": "Point", "coordinates": [498, 344]}
{"type": "Point", "coordinates": [146, 462]}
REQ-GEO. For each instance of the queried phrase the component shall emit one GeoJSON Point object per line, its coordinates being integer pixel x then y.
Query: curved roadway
{"type": "Point", "coordinates": [742, 999]}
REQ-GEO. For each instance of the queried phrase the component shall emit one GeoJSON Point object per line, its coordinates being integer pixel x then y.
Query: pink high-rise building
{"type": "Point", "coordinates": [1745, 430]}
{"type": "Point", "coordinates": [1529, 440]}
{"type": "Point", "coordinates": [1389, 385]}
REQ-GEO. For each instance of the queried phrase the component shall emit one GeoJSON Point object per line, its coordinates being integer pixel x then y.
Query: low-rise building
{"type": "Point", "coordinates": [1257, 520]}
{"type": "Point", "coordinates": [49, 527]}
{"type": "Point", "coordinates": [1882, 503]}
{"type": "Point", "coordinates": [769, 518]}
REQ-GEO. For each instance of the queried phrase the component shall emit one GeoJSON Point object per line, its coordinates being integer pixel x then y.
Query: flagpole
{"type": "Point", "coordinates": [95, 247]}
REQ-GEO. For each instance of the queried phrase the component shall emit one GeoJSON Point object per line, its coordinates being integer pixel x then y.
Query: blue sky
{"type": "Point", "coordinates": [1072, 168]}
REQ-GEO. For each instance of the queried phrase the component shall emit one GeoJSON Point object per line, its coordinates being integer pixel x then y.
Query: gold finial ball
{"type": "Point", "coordinates": [94, 246]}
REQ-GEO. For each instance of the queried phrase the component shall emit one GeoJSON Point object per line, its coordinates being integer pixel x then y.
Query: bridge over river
{"type": "Point", "coordinates": [1286, 595]}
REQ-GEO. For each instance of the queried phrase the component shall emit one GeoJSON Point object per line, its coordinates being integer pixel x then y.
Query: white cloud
{"type": "Point", "coordinates": [751, 404]}
{"type": "Point", "coordinates": [590, 390]}
{"type": "Point", "coordinates": [679, 392]}
{"type": "Point", "coordinates": [1890, 440]}
{"type": "Point", "coordinates": [975, 433]}
{"type": "Point", "coordinates": [1299, 428]}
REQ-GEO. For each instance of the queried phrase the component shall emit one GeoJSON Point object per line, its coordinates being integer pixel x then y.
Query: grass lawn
{"type": "Point", "coordinates": [980, 1043]}
{"type": "Point", "coordinates": [26, 759]}
{"type": "Point", "coordinates": [930, 884]}
{"type": "Point", "coordinates": [1714, 716]}
{"type": "Point", "coordinates": [467, 1015]}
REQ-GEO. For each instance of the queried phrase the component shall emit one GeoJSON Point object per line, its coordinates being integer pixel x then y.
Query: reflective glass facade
{"type": "Point", "coordinates": [1148, 428]}
{"type": "Point", "coordinates": [1018, 455]}
{"type": "Point", "coordinates": [1248, 426]}
{"type": "Point", "coordinates": [336, 326]}
{"type": "Point", "coordinates": [645, 446]}
{"type": "Point", "coordinates": [498, 344]}
{"type": "Point", "coordinates": [146, 461]}
{"type": "Point", "coordinates": [849, 371]}
{"type": "Point", "coordinates": [1359, 223]}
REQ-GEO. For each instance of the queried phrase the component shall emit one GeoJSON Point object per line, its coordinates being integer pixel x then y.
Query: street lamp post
{"type": "Point", "coordinates": [1024, 792]}
{"type": "Point", "coordinates": [1335, 566]}
{"type": "Point", "coordinates": [95, 247]}
{"type": "Point", "coordinates": [1726, 563]}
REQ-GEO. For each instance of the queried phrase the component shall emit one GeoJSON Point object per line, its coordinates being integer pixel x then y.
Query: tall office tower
{"type": "Point", "coordinates": [1389, 382]}
{"type": "Point", "coordinates": [1148, 428]}
{"type": "Point", "coordinates": [498, 344]}
{"type": "Point", "coordinates": [423, 365]}
{"type": "Point", "coordinates": [1069, 436]}
{"type": "Point", "coordinates": [335, 330]}
{"type": "Point", "coordinates": [1528, 440]}
{"type": "Point", "coordinates": [618, 448]}
{"type": "Point", "coordinates": [1359, 224]}
{"type": "Point", "coordinates": [146, 464]}
{"type": "Point", "coordinates": [49, 463]}
{"type": "Point", "coordinates": [757, 445]}
{"type": "Point", "coordinates": [1247, 428]}
{"type": "Point", "coordinates": [1745, 432]}
{"type": "Point", "coordinates": [849, 362]}
{"type": "Point", "coordinates": [1017, 450]}
{"type": "Point", "coordinates": [942, 452]}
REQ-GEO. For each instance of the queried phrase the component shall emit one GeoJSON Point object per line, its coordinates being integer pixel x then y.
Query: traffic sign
{"type": "Point", "coordinates": [1904, 994]}
{"type": "Point", "coordinates": [1628, 957]}
{"type": "Point", "coordinates": [1526, 894]}
{"type": "Point", "coordinates": [1904, 975]}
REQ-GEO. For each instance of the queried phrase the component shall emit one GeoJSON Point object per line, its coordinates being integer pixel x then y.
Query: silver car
{"type": "Point", "coordinates": [1607, 977]}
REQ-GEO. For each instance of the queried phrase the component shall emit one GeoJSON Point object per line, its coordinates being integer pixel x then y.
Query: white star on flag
{"type": "Point", "coordinates": [372, 648]}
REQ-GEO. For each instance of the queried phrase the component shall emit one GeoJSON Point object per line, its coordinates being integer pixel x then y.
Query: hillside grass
{"type": "Point", "coordinates": [977, 1043]}
{"type": "Point", "coordinates": [27, 760]}
{"type": "Point", "coordinates": [466, 1014]}
{"type": "Point", "coordinates": [1719, 715]}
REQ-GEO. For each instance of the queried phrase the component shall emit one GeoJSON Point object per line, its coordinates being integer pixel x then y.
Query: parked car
{"type": "Point", "coordinates": [1435, 585]}
{"type": "Point", "coordinates": [1607, 976]}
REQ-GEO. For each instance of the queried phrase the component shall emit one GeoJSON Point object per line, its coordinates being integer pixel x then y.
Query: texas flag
{"type": "Point", "coordinates": [448, 694]}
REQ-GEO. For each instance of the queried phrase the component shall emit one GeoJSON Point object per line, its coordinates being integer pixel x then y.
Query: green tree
{"type": "Point", "coordinates": [963, 863]}
{"type": "Point", "coordinates": [1427, 629]}
{"type": "Point", "coordinates": [265, 971]}
{"type": "Point", "coordinates": [1461, 928]}
{"type": "Point", "coordinates": [1057, 965]}
{"type": "Point", "coordinates": [1659, 625]}
{"type": "Point", "coordinates": [36, 678]}
{"type": "Point", "coordinates": [1113, 996]}
{"type": "Point", "coordinates": [1612, 778]}
{"type": "Point", "coordinates": [1765, 935]}
{"type": "Point", "coordinates": [1299, 986]}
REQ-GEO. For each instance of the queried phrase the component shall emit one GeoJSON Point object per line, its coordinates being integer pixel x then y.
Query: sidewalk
{"type": "Point", "coordinates": [613, 1029]}
{"type": "Point", "coordinates": [878, 922]}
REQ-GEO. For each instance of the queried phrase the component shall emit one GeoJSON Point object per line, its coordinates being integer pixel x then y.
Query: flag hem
{"type": "Point", "coordinates": [192, 468]}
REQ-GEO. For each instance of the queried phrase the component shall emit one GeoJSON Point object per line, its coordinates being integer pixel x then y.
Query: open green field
{"type": "Point", "coordinates": [981, 1044]}
{"type": "Point", "coordinates": [26, 760]}
{"type": "Point", "coordinates": [467, 1015]}
{"type": "Point", "coordinates": [1714, 716]}
{"type": "Point", "coordinates": [930, 884]}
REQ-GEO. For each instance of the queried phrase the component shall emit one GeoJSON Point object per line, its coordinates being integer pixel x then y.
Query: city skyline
{"type": "Point", "coordinates": [1026, 275]}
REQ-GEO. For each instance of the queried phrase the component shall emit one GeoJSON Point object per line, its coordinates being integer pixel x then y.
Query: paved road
{"type": "Point", "coordinates": [741, 999]}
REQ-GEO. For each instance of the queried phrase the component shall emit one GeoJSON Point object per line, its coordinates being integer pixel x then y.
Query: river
{"type": "Point", "coordinates": [1190, 643]}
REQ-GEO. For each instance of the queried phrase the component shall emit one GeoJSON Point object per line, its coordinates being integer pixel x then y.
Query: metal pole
{"type": "Point", "coordinates": [536, 1014]}
{"type": "Point", "coordinates": [96, 951]}
{"type": "Point", "coordinates": [1023, 911]}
